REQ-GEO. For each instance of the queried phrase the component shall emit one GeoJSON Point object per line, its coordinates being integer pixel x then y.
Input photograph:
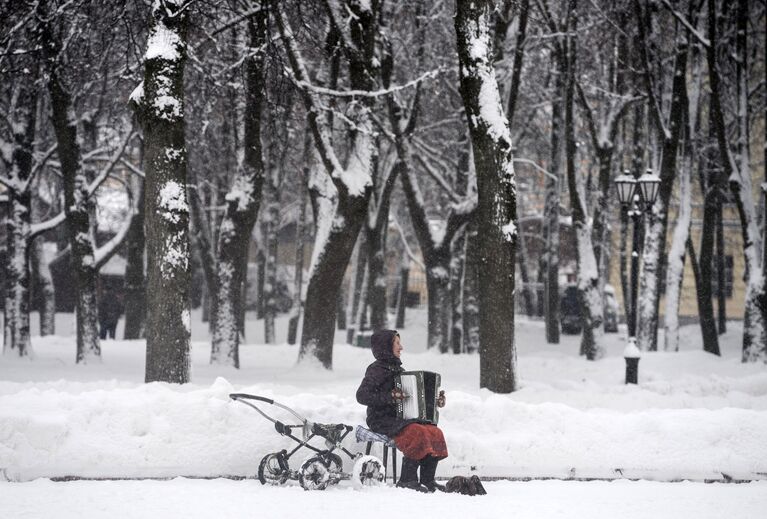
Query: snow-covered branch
{"type": "Point", "coordinates": [371, 93]}
{"type": "Point", "coordinates": [679, 16]}
{"type": "Point", "coordinates": [135, 170]}
{"type": "Point", "coordinates": [39, 228]}
{"type": "Point", "coordinates": [38, 166]}
{"type": "Point", "coordinates": [102, 176]}
{"type": "Point", "coordinates": [301, 77]}
{"type": "Point", "coordinates": [438, 177]}
{"type": "Point", "coordinates": [106, 251]}
{"type": "Point", "coordinates": [408, 251]}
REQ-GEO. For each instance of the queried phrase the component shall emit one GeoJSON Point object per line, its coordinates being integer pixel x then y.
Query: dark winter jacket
{"type": "Point", "coordinates": [375, 389]}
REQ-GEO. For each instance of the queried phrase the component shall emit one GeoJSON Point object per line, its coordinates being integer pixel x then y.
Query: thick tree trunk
{"type": "Point", "coordinates": [325, 281]}
{"type": "Point", "coordinates": [166, 209]}
{"type": "Point", "coordinates": [243, 200]}
{"type": "Point", "coordinates": [496, 212]}
{"type": "Point", "coordinates": [135, 280]}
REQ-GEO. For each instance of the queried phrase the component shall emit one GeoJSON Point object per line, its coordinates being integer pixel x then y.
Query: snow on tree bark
{"type": "Point", "coordinates": [496, 211]}
{"type": "Point", "coordinates": [300, 239]}
{"type": "Point", "coordinates": [18, 230]}
{"type": "Point", "coordinates": [47, 296]}
{"type": "Point", "coordinates": [242, 206]}
{"type": "Point", "coordinates": [654, 257]}
{"type": "Point", "coordinates": [161, 111]}
{"type": "Point", "coordinates": [377, 229]}
{"type": "Point", "coordinates": [590, 295]}
{"type": "Point", "coordinates": [343, 217]}
{"type": "Point", "coordinates": [272, 222]}
{"type": "Point", "coordinates": [77, 204]}
{"type": "Point", "coordinates": [676, 257]}
{"type": "Point", "coordinates": [739, 175]}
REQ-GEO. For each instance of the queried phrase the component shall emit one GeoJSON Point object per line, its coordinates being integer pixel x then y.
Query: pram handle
{"type": "Point", "coordinates": [242, 397]}
{"type": "Point", "coordinates": [237, 396]}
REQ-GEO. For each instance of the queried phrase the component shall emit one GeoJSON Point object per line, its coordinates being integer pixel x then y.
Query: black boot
{"type": "Point", "coordinates": [408, 477]}
{"type": "Point", "coordinates": [428, 469]}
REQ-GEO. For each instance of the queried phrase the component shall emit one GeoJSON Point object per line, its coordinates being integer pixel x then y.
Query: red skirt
{"type": "Point", "coordinates": [417, 441]}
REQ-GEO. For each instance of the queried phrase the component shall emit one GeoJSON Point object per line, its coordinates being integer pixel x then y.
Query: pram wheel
{"type": "Point", "coordinates": [336, 466]}
{"type": "Point", "coordinates": [368, 471]}
{"type": "Point", "coordinates": [273, 470]}
{"type": "Point", "coordinates": [314, 474]}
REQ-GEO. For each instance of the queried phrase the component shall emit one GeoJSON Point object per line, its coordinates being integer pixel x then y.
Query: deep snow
{"type": "Point", "coordinates": [692, 416]}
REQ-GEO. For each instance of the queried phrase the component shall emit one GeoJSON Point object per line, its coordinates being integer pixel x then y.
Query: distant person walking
{"type": "Point", "coordinates": [110, 310]}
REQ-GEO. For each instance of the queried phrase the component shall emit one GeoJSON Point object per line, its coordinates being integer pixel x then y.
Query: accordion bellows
{"type": "Point", "coordinates": [422, 390]}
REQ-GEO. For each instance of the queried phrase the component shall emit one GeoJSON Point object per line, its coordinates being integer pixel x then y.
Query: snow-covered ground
{"type": "Point", "coordinates": [224, 499]}
{"type": "Point", "coordinates": [692, 416]}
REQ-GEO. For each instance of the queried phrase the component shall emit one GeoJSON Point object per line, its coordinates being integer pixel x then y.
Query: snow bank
{"type": "Point", "coordinates": [692, 415]}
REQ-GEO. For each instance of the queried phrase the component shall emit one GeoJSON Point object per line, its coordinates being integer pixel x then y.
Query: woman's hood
{"type": "Point", "coordinates": [381, 343]}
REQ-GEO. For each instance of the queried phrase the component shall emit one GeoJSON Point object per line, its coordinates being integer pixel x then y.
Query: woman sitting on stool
{"type": "Point", "coordinates": [421, 444]}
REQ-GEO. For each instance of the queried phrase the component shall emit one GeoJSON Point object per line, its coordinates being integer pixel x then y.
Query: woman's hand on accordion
{"type": "Point", "coordinates": [398, 395]}
{"type": "Point", "coordinates": [441, 399]}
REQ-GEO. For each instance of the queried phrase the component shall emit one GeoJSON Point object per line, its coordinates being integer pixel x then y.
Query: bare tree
{"type": "Point", "coordinates": [349, 185]}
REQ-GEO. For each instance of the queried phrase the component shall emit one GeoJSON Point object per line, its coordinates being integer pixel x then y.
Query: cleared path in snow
{"type": "Point", "coordinates": [222, 499]}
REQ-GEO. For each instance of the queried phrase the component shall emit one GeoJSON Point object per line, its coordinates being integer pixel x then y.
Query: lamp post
{"type": "Point", "coordinates": [637, 194]}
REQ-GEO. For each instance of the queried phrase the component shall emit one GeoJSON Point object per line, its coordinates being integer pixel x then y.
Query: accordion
{"type": "Point", "coordinates": [422, 390]}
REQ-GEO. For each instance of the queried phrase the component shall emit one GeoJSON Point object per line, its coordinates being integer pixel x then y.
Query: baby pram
{"type": "Point", "coordinates": [321, 469]}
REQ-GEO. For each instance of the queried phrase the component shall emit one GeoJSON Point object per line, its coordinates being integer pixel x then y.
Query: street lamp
{"type": "Point", "coordinates": [637, 194]}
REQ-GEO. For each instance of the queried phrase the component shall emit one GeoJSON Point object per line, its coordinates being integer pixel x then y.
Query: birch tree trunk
{"type": "Point", "coordinates": [18, 231]}
{"type": "Point", "coordinates": [496, 211]}
{"type": "Point", "coordinates": [47, 299]}
{"type": "Point", "coordinates": [166, 208]}
{"type": "Point", "coordinates": [676, 257]}
{"type": "Point", "coordinates": [271, 237]}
